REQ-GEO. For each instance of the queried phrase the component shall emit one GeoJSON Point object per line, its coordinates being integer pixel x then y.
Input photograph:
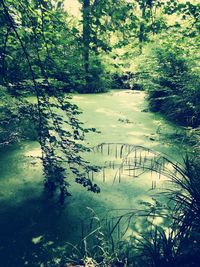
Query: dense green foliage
{"type": "Point", "coordinates": [173, 82]}
{"type": "Point", "coordinates": [169, 68]}
{"type": "Point", "coordinates": [15, 119]}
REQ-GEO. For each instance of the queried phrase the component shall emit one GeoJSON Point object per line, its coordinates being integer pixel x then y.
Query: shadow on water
{"type": "Point", "coordinates": [26, 226]}
{"type": "Point", "coordinates": [21, 223]}
{"type": "Point", "coordinates": [26, 214]}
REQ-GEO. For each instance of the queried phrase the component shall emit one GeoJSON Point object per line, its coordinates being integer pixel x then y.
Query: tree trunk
{"type": "Point", "coordinates": [142, 27]}
{"type": "Point", "coordinates": [86, 40]}
{"type": "Point", "coordinates": [3, 55]}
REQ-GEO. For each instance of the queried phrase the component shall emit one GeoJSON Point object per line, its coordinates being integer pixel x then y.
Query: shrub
{"type": "Point", "coordinates": [173, 84]}
{"type": "Point", "coordinates": [15, 118]}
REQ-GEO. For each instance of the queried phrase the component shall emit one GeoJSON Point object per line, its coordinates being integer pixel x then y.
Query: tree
{"type": "Point", "coordinates": [59, 135]}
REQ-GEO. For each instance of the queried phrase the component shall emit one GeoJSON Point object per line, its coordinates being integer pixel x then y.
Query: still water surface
{"type": "Point", "coordinates": [27, 217]}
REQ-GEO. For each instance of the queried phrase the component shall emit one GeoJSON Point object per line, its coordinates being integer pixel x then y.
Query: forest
{"type": "Point", "coordinates": [100, 133]}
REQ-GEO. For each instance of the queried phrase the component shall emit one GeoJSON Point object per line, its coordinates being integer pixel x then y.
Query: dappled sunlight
{"type": "Point", "coordinates": [108, 112]}
{"type": "Point", "coordinates": [34, 153]}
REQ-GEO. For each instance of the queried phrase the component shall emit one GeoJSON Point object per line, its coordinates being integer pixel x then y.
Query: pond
{"type": "Point", "coordinates": [29, 220]}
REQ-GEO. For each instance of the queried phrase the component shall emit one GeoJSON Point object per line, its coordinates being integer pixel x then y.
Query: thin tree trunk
{"type": "Point", "coordinates": [142, 28]}
{"type": "Point", "coordinates": [86, 40]}
{"type": "Point", "coordinates": [3, 71]}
